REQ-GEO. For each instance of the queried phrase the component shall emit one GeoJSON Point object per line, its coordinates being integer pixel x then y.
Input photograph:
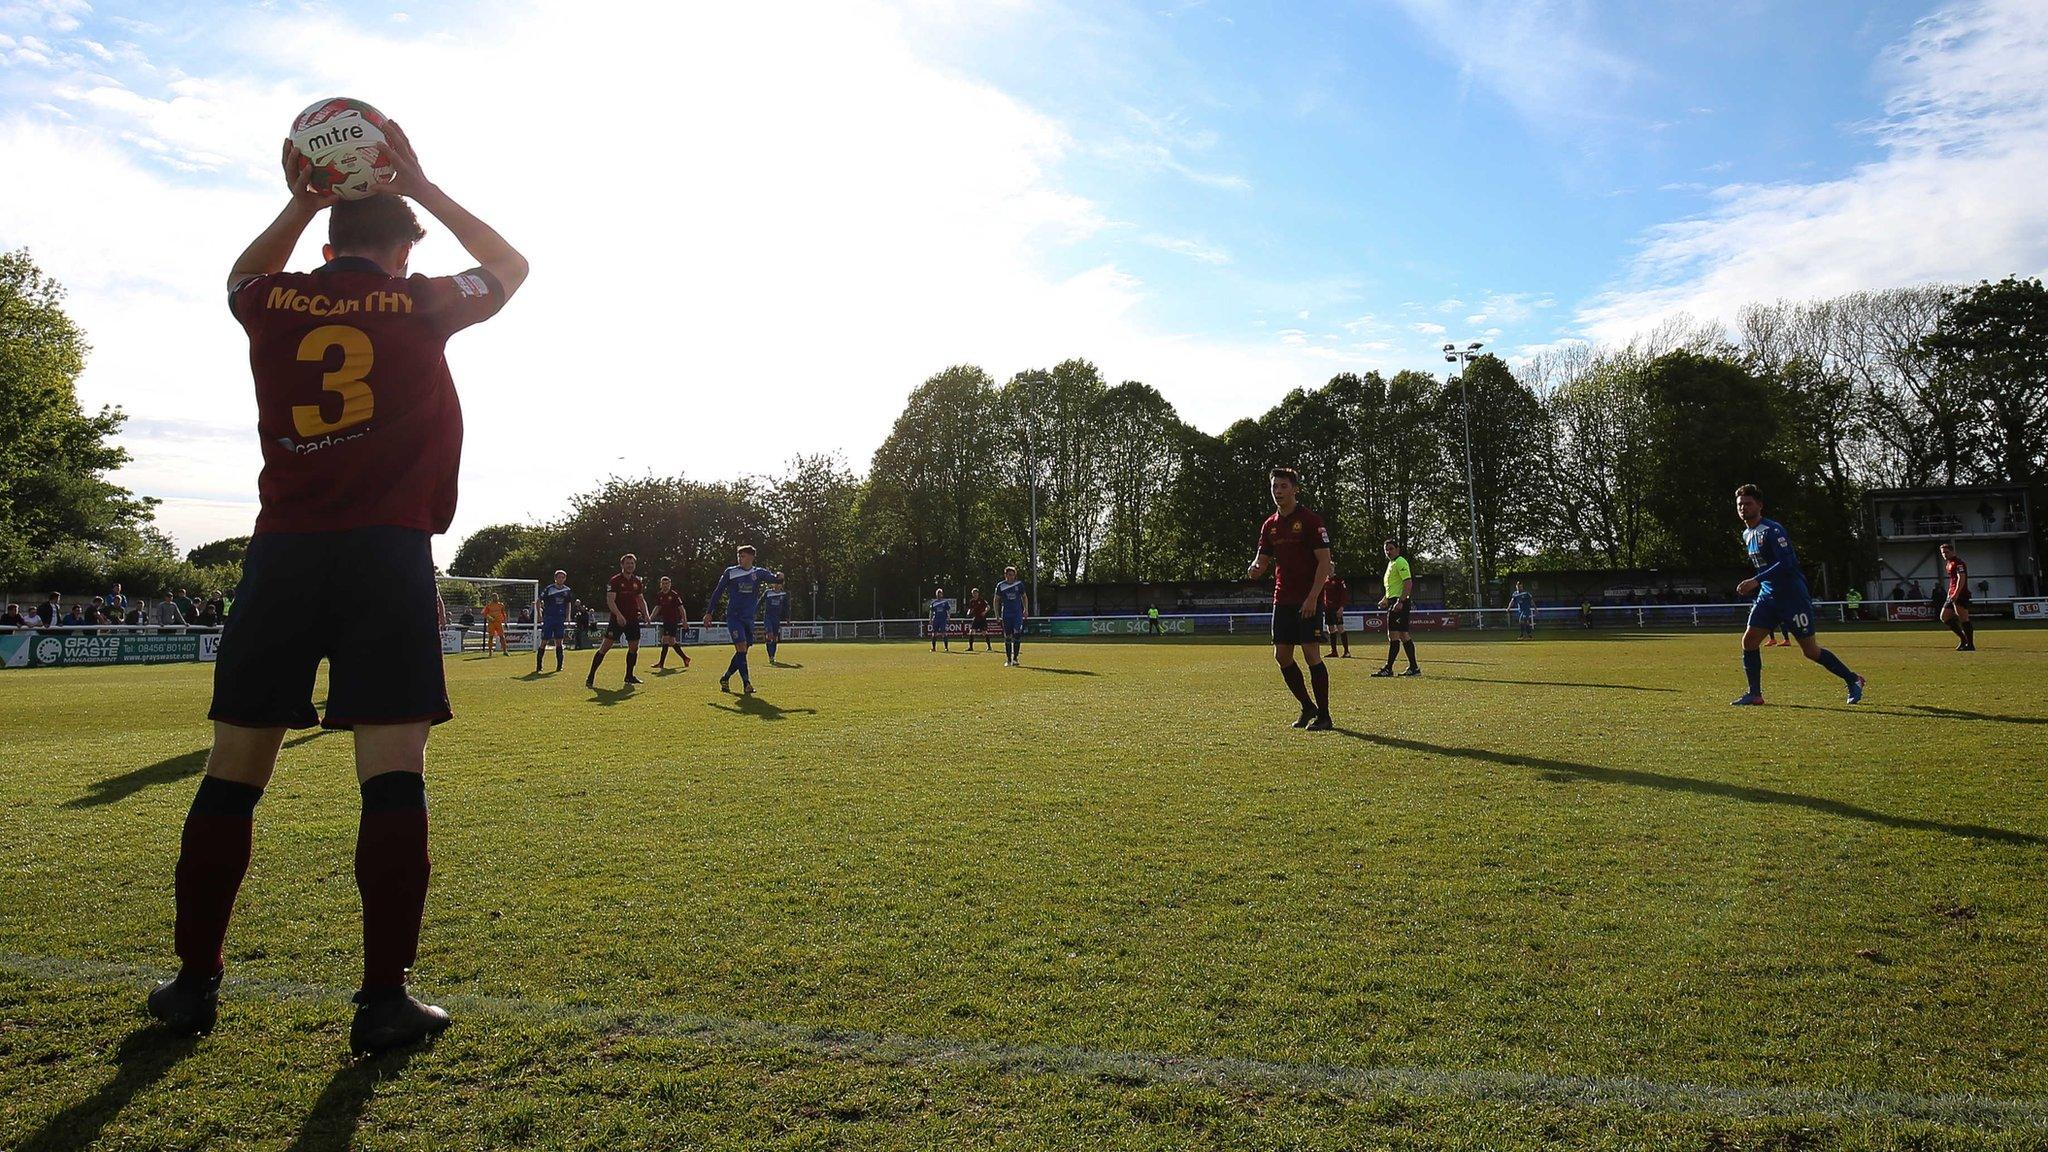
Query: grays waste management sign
{"type": "Point", "coordinates": [52, 650]}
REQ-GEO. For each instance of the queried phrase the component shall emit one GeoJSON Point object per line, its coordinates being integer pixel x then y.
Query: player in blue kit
{"type": "Point", "coordinates": [1013, 604]}
{"type": "Point", "coordinates": [942, 618]}
{"type": "Point", "coordinates": [1523, 607]}
{"type": "Point", "coordinates": [1781, 597]}
{"type": "Point", "coordinates": [741, 584]}
{"type": "Point", "coordinates": [554, 619]}
{"type": "Point", "coordinates": [774, 605]}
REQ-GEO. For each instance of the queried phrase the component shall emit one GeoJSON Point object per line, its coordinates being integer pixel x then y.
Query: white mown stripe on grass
{"type": "Point", "coordinates": [883, 1048]}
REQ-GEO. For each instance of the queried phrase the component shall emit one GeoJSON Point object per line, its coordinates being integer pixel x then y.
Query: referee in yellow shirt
{"type": "Point", "coordinates": [1400, 586]}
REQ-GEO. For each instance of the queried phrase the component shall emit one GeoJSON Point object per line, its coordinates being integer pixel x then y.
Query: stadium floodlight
{"type": "Point", "coordinates": [1461, 359]}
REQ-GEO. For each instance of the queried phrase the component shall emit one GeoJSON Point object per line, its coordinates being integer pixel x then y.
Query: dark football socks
{"type": "Point", "coordinates": [595, 661]}
{"type": "Point", "coordinates": [740, 659]}
{"type": "Point", "coordinates": [732, 667]}
{"type": "Point", "coordinates": [1956, 626]}
{"type": "Point", "coordinates": [213, 856]}
{"type": "Point", "coordinates": [1319, 677]}
{"type": "Point", "coordinates": [1393, 652]}
{"type": "Point", "coordinates": [1833, 663]}
{"type": "Point", "coordinates": [1753, 667]}
{"type": "Point", "coordinates": [771, 651]}
{"type": "Point", "coordinates": [391, 873]}
{"type": "Point", "coordinates": [1970, 633]}
{"type": "Point", "coordinates": [1292, 674]}
{"type": "Point", "coordinates": [558, 659]}
{"type": "Point", "coordinates": [1408, 647]}
{"type": "Point", "coordinates": [632, 658]}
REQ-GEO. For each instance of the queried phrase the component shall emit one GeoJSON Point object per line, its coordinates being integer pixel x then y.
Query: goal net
{"type": "Point", "coordinates": [473, 602]}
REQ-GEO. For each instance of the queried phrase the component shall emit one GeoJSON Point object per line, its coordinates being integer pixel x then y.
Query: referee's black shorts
{"type": "Point", "coordinates": [361, 599]}
{"type": "Point", "coordinates": [1291, 627]}
{"type": "Point", "coordinates": [1397, 617]}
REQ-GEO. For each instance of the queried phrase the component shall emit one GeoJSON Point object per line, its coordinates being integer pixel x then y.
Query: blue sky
{"type": "Point", "coordinates": [754, 229]}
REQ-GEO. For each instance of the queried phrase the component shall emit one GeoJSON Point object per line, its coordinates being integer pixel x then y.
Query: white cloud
{"type": "Point", "coordinates": [1428, 329]}
{"type": "Point", "coordinates": [1539, 55]}
{"type": "Point", "coordinates": [1192, 249]}
{"type": "Point", "coordinates": [1965, 140]}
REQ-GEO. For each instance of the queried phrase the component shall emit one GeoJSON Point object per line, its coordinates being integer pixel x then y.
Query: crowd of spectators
{"type": "Point", "coordinates": [117, 609]}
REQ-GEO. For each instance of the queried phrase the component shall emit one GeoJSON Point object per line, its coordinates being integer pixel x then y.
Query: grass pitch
{"type": "Point", "coordinates": [1552, 894]}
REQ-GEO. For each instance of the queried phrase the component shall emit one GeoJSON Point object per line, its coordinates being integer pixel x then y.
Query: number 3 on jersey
{"type": "Point", "coordinates": [347, 381]}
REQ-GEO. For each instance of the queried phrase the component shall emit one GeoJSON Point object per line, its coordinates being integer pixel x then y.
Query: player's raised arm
{"type": "Point", "coordinates": [477, 238]}
{"type": "Point", "coordinates": [273, 246]}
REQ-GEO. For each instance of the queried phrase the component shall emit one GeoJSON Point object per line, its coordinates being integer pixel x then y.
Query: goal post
{"type": "Point", "coordinates": [468, 599]}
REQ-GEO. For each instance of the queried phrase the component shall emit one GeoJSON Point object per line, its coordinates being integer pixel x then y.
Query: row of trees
{"type": "Point", "coordinates": [1587, 457]}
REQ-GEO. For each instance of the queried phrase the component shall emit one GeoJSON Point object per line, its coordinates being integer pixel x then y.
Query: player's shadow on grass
{"type": "Point", "coordinates": [1936, 710]}
{"type": "Point", "coordinates": [1057, 671]}
{"type": "Point", "coordinates": [782, 664]}
{"type": "Point", "coordinates": [755, 706]}
{"type": "Point", "coordinates": [117, 788]}
{"type": "Point", "coordinates": [606, 697]}
{"type": "Point", "coordinates": [1560, 771]}
{"type": "Point", "coordinates": [1556, 683]}
{"type": "Point", "coordinates": [331, 1125]}
{"type": "Point", "coordinates": [145, 1055]}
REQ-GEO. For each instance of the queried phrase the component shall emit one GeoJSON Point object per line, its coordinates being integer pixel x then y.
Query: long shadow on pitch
{"type": "Point", "coordinates": [1056, 671]}
{"type": "Point", "coordinates": [117, 788]}
{"type": "Point", "coordinates": [1566, 769]}
{"type": "Point", "coordinates": [145, 1055]}
{"type": "Point", "coordinates": [1924, 712]}
{"type": "Point", "coordinates": [606, 697]}
{"type": "Point", "coordinates": [1555, 683]}
{"type": "Point", "coordinates": [745, 705]}
{"type": "Point", "coordinates": [331, 1125]}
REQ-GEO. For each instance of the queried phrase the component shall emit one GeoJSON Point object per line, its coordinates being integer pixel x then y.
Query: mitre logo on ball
{"type": "Point", "coordinates": [345, 141]}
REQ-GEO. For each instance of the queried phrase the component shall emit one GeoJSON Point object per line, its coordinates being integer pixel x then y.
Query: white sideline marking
{"type": "Point", "coordinates": [883, 1048]}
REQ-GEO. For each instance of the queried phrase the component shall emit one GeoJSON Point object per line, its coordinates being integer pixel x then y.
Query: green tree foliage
{"type": "Point", "coordinates": [232, 550]}
{"type": "Point", "coordinates": [1711, 425]}
{"type": "Point", "coordinates": [53, 455]}
{"type": "Point", "coordinates": [1141, 440]}
{"type": "Point", "coordinates": [928, 507]}
{"type": "Point", "coordinates": [810, 515]}
{"type": "Point", "coordinates": [1510, 473]}
{"type": "Point", "coordinates": [483, 550]}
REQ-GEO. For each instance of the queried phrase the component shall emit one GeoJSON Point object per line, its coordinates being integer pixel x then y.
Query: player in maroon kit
{"type": "Point", "coordinates": [1336, 594]}
{"type": "Point", "coordinates": [668, 608]}
{"type": "Point", "coordinates": [1295, 546]}
{"type": "Point", "coordinates": [1956, 611]}
{"type": "Point", "coordinates": [362, 440]}
{"type": "Point", "coordinates": [977, 620]}
{"type": "Point", "coordinates": [625, 597]}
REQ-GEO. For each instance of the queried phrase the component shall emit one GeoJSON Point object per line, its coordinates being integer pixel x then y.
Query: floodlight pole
{"type": "Point", "coordinates": [1462, 357]}
{"type": "Point", "coordinates": [1031, 446]}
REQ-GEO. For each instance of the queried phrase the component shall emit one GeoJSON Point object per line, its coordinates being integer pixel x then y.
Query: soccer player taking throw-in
{"type": "Point", "coordinates": [361, 433]}
{"type": "Point", "coordinates": [1295, 546]}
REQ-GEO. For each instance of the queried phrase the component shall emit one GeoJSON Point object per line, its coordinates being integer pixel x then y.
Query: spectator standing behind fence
{"type": "Point", "coordinates": [186, 608]}
{"type": "Point", "coordinates": [138, 612]}
{"type": "Point", "coordinates": [75, 618]}
{"type": "Point", "coordinates": [117, 602]}
{"type": "Point", "coordinates": [50, 611]}
{"type": "Point", "coordinates": [167, 614]}
{"type": "Point", "coordinates": [12, 618]}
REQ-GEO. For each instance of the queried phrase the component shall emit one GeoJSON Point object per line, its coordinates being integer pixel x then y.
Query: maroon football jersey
{"type": "Point", "coordinates": [668, 606]}
{"type": "Point", "coordinates": [1335, 593]}
{"type": "Point", "coordinates": [626, 590]}
{"type": "Point", "coordinates": [354, 403]}
{"type": "Point", "coordinates": [1292, 541]}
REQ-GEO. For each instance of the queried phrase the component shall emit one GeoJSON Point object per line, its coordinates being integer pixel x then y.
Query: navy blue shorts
{"type": "Point", "coordinates": [553, 629]}
{"type": "Point", "coordinates": [742, 631]}
{"type": "Point", "coordinates": [1769, 612]}
{"type": "Point", "coordinates": [1013, 625]}
{"type": "Point", "coordinates": [383, 649]}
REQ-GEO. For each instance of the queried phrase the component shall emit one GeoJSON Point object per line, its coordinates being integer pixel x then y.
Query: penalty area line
{"type": "Point", "coordinates": [1124, 1067]}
